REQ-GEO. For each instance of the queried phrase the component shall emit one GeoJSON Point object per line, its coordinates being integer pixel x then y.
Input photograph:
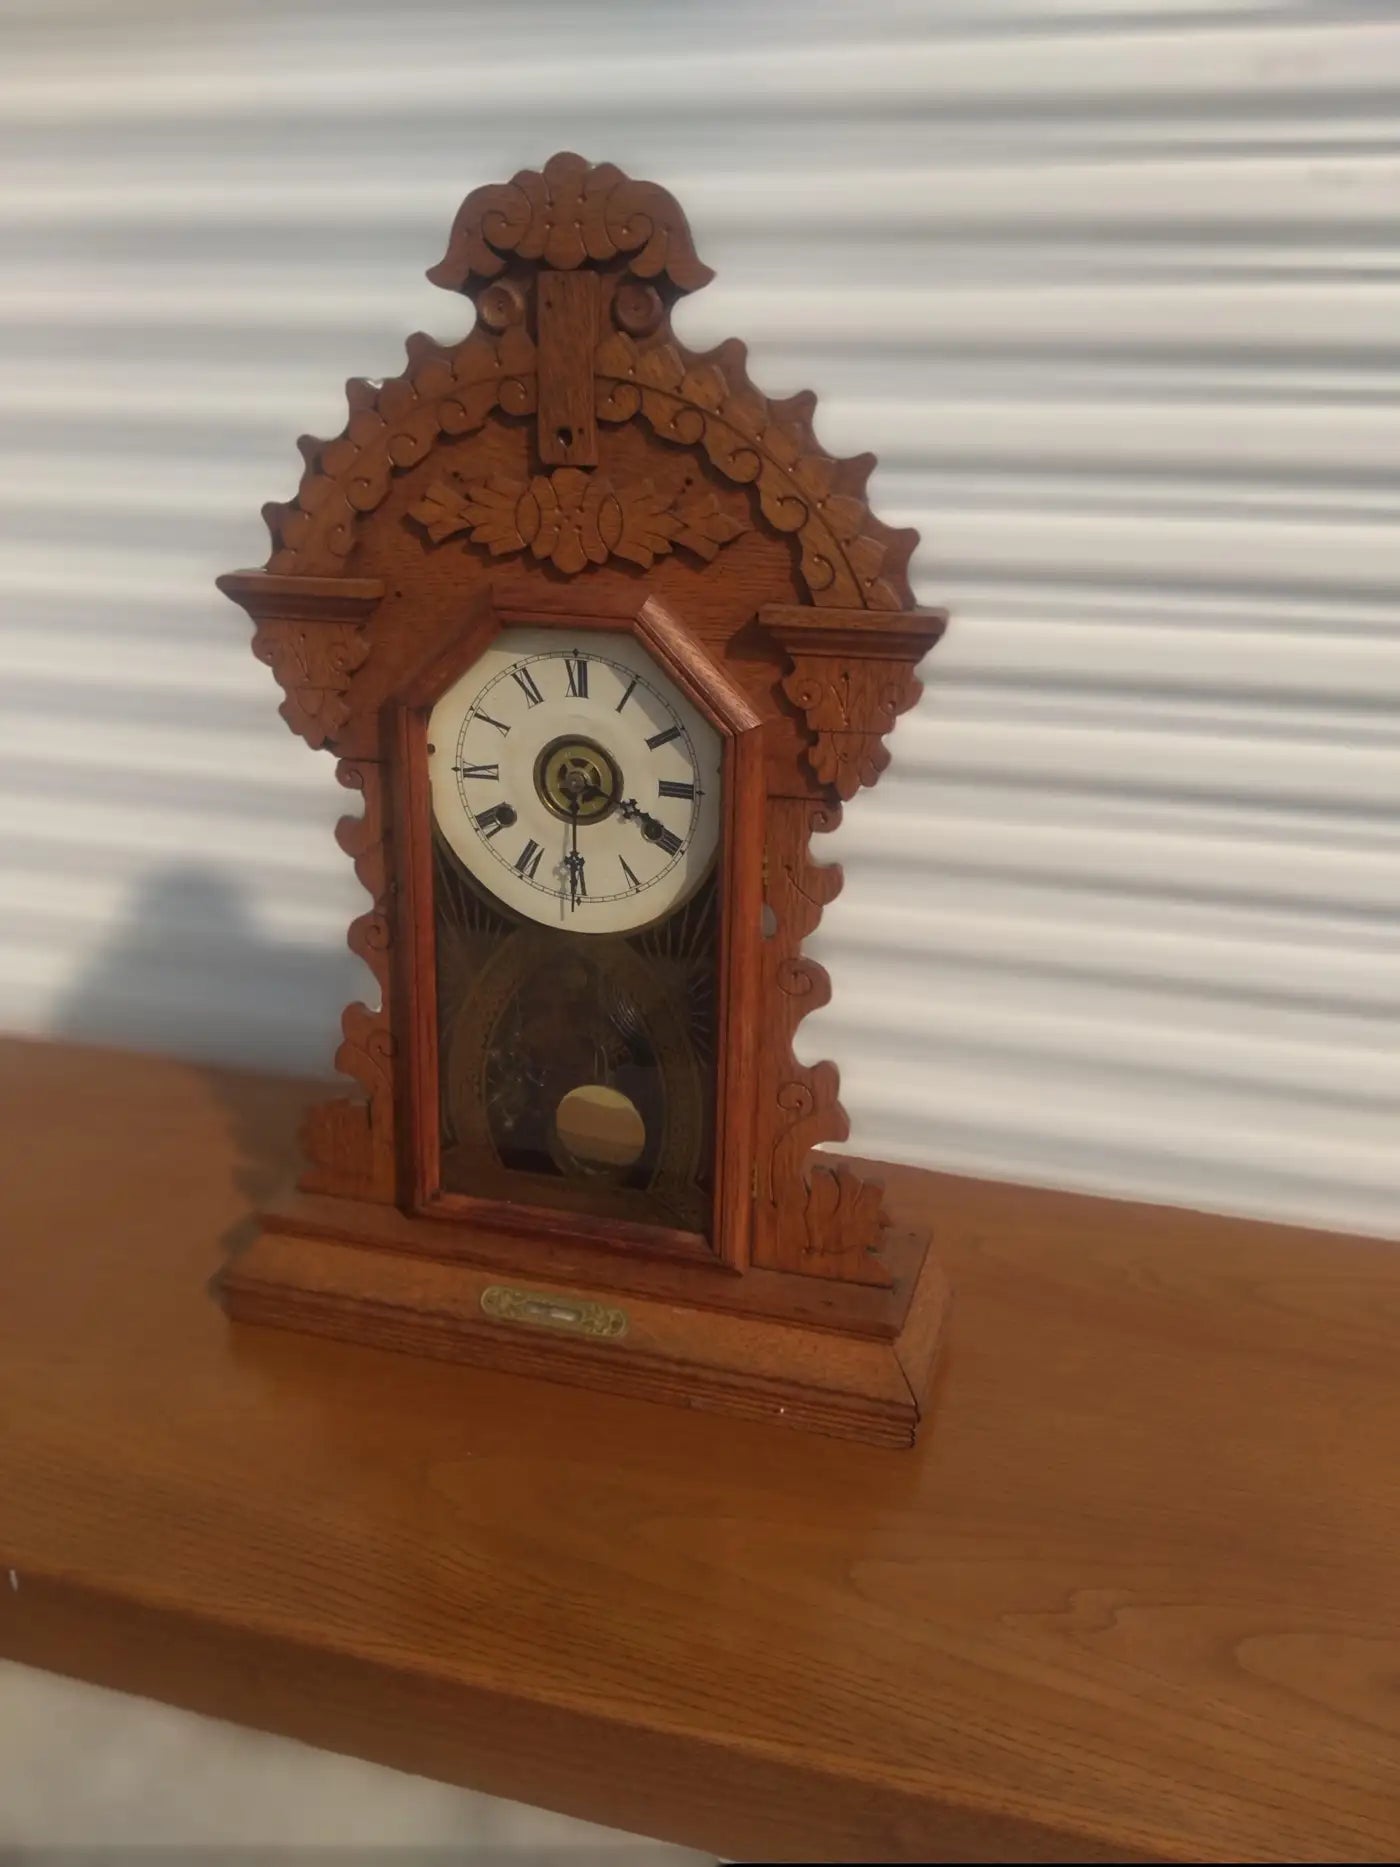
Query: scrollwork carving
{"type": "Point", "coordinates": [850, 706]}
{"type": "Point", "coordinates": [565, 215]}
{"type": "Point", "coordinates": [846, 557]}
{"type": "Point", "coordinates": [812, 1217]}
{"type": "Point", "coordinates": [349, 1144]}
{"type": "Point", "coordinates": [312, 663]}
{"type": "Point", "coordinates": [573, 518]}
{"type": "Point", "coordinates": [851, 676]}
{"type": "Point", "coordinates": [392, 426]}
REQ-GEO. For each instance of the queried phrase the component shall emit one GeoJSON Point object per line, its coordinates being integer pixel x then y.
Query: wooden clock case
{"type": "Point", "coordinates": [569, 463]}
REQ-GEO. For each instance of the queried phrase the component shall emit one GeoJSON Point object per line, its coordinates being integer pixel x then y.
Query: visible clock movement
{"type": "Point", "coordinates": [603, 637]}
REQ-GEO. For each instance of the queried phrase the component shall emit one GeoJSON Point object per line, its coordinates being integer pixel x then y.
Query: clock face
{"type": "Point", "coordinates": [574, 780]}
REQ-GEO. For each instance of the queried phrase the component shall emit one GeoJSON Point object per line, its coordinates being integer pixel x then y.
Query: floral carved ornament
{"type": "Point", "coordinates": [573, 518]}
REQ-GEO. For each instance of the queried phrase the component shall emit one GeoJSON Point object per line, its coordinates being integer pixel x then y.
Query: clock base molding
{"type": "Point", "coordinates": [867, 1386]}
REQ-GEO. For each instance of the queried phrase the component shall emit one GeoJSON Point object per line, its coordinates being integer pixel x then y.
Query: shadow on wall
{"type": "Point", "coordinates": [189, 973]}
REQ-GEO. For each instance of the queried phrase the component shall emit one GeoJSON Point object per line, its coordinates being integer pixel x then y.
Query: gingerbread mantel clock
{"type": "Point", "coordinates": [602, 637]}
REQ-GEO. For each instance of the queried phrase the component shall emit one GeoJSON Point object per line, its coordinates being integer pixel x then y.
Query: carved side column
{"type": "Point", "coordinates": [811, 1216]}
{"type": "Point", "coordinates": [349, 1144]}
{"type": "Point", "coordinates": [851, 674]}
{"type": "Point", "coordinates": [311, 631]}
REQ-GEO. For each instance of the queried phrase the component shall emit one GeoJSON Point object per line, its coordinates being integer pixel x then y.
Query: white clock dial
{"type": "Point", "coordinates": [575, 781]}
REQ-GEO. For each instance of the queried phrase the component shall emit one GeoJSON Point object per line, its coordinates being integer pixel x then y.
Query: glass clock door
{"type": "Point", "coordinates": [576, 803]}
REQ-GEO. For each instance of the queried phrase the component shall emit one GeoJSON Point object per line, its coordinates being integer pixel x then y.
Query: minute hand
{"type": "Point", "coordinates": [573, 861]}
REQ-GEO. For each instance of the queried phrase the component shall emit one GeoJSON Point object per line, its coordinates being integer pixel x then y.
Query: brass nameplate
{"type": "Point", "coordinates": [574, 1315]}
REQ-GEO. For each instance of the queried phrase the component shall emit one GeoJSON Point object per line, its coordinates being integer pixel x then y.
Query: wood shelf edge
{"type": "Point", "coordinates": [700, 1791]}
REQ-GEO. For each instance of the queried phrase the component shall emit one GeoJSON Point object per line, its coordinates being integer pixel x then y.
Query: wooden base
{"type": "Point", "coordinates": [674, 1345]}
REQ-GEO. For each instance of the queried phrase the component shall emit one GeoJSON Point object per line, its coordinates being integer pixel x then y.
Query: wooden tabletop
{"type": "Point", "coordinates": [1136, 1595]}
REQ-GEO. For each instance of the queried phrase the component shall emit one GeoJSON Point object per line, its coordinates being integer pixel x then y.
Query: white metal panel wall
{"type": "Point", "coordinates": [1110, 289]}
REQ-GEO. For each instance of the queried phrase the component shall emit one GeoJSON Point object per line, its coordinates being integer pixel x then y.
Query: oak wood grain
{"type": "Point", "coordinates": [712, 1360]}
{"type": "Point", "coordinates": [494, 1227]}
{"type": "Point", "coordinates": [777, 598]}
{"type": "Point", "coordinates": [566, 307]}
{"type": "Point", "coordinates": [1134, 1596]}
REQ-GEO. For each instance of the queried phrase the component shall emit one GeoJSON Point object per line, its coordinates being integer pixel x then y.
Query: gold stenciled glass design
{"type": "Point", "coordinates": [577, 1022]}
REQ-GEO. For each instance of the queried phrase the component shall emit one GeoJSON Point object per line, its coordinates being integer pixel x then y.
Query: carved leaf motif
{"type": "Point", "coordinates": [705, 525]}
{"type": "Point", "coordinates": [693, 402]}
{"type": "Point", "coordinates": [648, 527]}
{"type": "Point", "coordinates": [573, 518]}
{"type": "Point", "coordinates": [850, 705]}
{"type": "Point", "coordinates": [565, 215]}
{"type": "Point", "coordinates": [312, 663]}
{"type": "Point", "coordinates": [846, 761]}
{"type": "Point", "coordinates": [393, 426]}
{"type": "Point", "coordinates": [495, 511]}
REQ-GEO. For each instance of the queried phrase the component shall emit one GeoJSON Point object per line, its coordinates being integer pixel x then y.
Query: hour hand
{"type": "Point", "coordinates": [652, 828]}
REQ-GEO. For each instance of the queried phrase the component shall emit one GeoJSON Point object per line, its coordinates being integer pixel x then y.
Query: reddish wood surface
{"type": "Point", "coordinates": [561, 1257]}
{"type": "Point", "coordinates": [710, 1359]}
{"type": "Point", "coordinates": [1134, 1597]}
{"type": "Point", "coordinates": [418, 1122]}
{"type": "Point", "coordinates": [570, 459]}
{"type": "Point", "coordinates": [349, 1142]}
{"type": "Point", "coordinates": [566, 311]}
{"type": "Point", "coordinates": [732, 714]}
{"type": "Point", "coordinates": [810, 1211]}
{"type": "Point", "coordinates": [852, 675]}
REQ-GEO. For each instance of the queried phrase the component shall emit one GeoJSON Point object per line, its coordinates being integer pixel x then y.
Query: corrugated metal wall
{"type": "Point", "coordinates": [1111, 290]}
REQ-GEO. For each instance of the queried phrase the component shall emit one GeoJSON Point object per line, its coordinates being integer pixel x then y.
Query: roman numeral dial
{"type": "Point", "coordinates": [575, 781]}
{"type": "Point", "coordinates": [492, 821]}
